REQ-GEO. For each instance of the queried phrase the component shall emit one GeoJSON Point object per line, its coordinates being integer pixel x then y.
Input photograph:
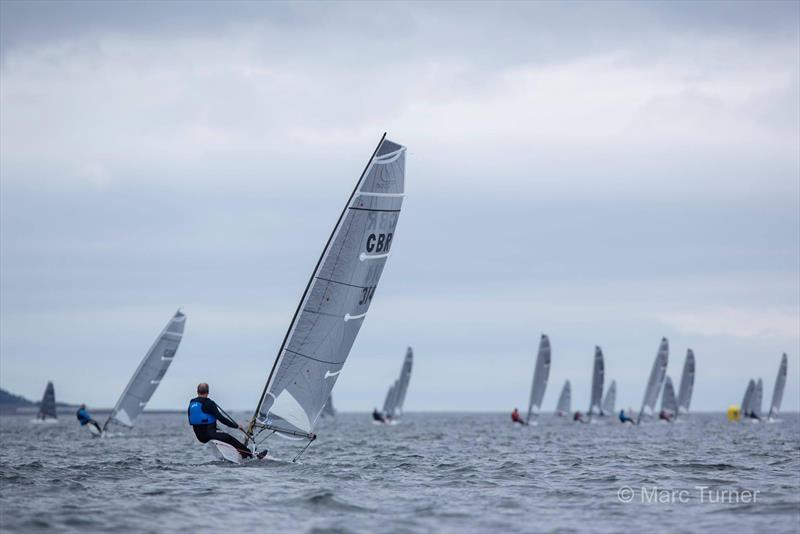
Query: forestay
{"type": "Point", "coordinates": [687, 383]}
{"type": "Point", "coordinates": [597, 382]}
{"type": "Point", "coordinates": [336, 300]}
{"type": "Point", "coordinates": [611, 399]}
{"type": "Point", "coordinates": [748, 397]}
{"type": "Point", "coordinates": [668, 402]}
{"type": "Point", "coordinates": [565, 400]}
{"type": "Point", "coordinates": [777, 392]}
{"type": "Point", "coordinates": [656, 380]}
{"type": "Point", "coordinates": [149, 374]}
{"type": "Point", "coordinates": [47, 408]}
{"type": "Point", "coordinates": [540, 374]}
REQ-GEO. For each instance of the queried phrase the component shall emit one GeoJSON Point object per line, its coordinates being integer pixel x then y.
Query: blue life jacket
{"type": "Point", "coordinates": [197, 416]}
{"type": "Point", "coordinates": [83, 416]}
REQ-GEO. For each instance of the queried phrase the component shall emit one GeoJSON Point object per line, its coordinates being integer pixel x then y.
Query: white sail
{"type": "Point", "coordinates": [777, 391]}
{"type": "Point", "coordinates": [47, 408]}
{"type": "Point", "coordinates": [668, 402]}
{"type": "Point", "coordinates": [610, 399]}
{"type": "Point", "coordinates": [149, 374]}
{"type": "Point", "coordinates": [540, 374]}
{"type": "Point", "coordinates": [564, 406]}
{"type": "Point", "coordinates": [403, 381]}
{"type": "Point", "coordinates": [758, 394]}
{"type": "Point", "coordinates": [336, 300]}
{"type": "Point", "coordinates": [656, 380]}
{"type": "Point", "coordinates": [595, 406]}
{"type": "Point", "coordinates": [747, 400]}
{"type": "Point", "coordinates": [687, 383]}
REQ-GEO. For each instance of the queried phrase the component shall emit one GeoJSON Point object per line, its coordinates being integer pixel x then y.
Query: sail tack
{"type": "Point", "coordinates": [595, 407]}
{"type": "Point", "coordinates": [687, 383]}
{"type": "Point", "coordinates": [777, 391]}
{"type": "Point", "coordinates": [336, 299]}
{"type": "Point", "coordinates": [540, 374]}
{"type": "Point", "coordinates": [149, 374]}
{"type": "Point", "coordinates": [47, 408]}
{"type": "Point", "coordinates": [656, 380]}
{"type": "Point", "coordinates": [610, 399]}
{"type": "Point", "coordinates": [565, 400]}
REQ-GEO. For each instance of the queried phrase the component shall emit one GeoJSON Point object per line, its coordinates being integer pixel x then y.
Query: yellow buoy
{"type": "Point", "coordinates": [733, 413]}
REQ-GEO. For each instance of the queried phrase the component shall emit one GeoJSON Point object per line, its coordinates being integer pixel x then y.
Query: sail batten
{"type": "Point", "coordinates": [337, 297]}
{"type": "Point", "coordinates": [541, 372]}
{"type": "Point", "coordinates": [148, 375]}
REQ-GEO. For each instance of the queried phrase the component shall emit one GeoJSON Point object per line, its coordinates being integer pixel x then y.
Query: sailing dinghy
{"type": "Point", "coordinates": [541, 373]}
{"type": "Point", "coordinates": [777, 391]}
{"type": "Point", "coordinates": [687, 383]}
{"type": "Point", "coordinates": [597, 383]}
{"type": "Point", "coordinates": [47, 408]}
{"type": "Point", "coordinates": [334, 304]}
{"type": "Point", "coordinates": [564, 406]}
{"type": "Point", "coordinates": [147, 377]}
{"type": "Point", "coordinates": [610, 399]}
{"type": "Point", "coordinates": [656, 380]}
{"type": "Point", "coordinates": [395, 397]}
{"type": "Point", "coordinates": [757, 400]}
{"type": "Point", "coordinates": [747, 399]}
{"type": "Point", "coordinates": [669, 405]}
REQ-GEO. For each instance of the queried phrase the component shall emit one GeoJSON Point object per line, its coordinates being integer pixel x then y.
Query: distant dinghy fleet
{"type": "Point", "coordinates": [329, 315]}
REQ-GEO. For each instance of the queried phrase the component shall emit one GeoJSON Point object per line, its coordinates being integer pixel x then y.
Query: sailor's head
{"type": "Point", "coordinates": [202, 389]}
{"type": "Point", "coordinates": [83, 406]}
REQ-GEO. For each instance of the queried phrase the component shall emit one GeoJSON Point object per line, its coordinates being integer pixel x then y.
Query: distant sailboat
{"type": "Point", "coordinates": [656, 380]}
{"type": "Point", "coordinates": [564, 406]}
{"type": "Point", "coordinates": [47, 408]}
{"type": "Point", "coordinates": [777, 391]}
{"type": "Point", "coordinates": [747, 400]}
{"type": "Point", "coordinates": [757, 401]}
{"type": "Point", "coordinates": [595, 406]}
{"type": "Point", "coordinates": [669, 406]}
{"type": "Point", "coordinates": [328, 410]}
{"type": "Point", "coordinates": [334, 304]}
{"type": "Point", "coordinates": [540, 374]}
{"type": "Point", "coordinates": [687, 383]}
{"type": "Point", "coordinates": [148, 375]}
{"type": "Point", "coordinates": [396, 396]}
{"type": "Point", "coordinates": [610, 399]}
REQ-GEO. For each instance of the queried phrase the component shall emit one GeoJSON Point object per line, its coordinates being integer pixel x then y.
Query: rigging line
{"type": "Point", "coordinates": [310, 281]}
{"type": "Point", "coordinates": [310, 441]}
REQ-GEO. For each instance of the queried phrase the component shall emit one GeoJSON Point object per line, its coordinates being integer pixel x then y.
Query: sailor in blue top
{"type": "Point", "coordinates": [85, 419]}
{"type": "Point", "coordinates": [203, 416]}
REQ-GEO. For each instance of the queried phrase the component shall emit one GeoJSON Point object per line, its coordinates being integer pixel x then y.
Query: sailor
{"type": "Point", "coordinates": [665, 416]}
{"type": "Point", "coordinates": [85, 419]}
{"type": "Point", "coordinates": [579, 417]}
{"type": "Point", "coordinates": [623, 418]}
{"type": "Point", "coordinates": [516, 417]}
{"type": "Point", "coordinates": [203, 416]}
{"type": "Point", "coordinates": [378, 416]}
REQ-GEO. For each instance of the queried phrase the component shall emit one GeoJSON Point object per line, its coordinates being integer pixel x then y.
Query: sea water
{"type": "Point", "coordinates": [430, 473]}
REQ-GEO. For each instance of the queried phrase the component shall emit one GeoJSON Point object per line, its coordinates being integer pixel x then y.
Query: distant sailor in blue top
{"type": "Point", "coordinates": [86, 419]}
{"type": "Point", "coordinates": [624, 418]}
{"type": "Point", "coordinates": [203, 416]}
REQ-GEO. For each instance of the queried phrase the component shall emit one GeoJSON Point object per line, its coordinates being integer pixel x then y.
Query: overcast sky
{"type": "Point", "coordinates": [605, 173]}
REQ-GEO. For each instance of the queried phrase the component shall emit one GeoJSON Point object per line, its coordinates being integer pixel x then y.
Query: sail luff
{"type": "Point", "coordinates": [780, 385]}
{"type": "Point", "coordinates": [156, 362]}
{"type": "Point", "coordinates": [541, 372]}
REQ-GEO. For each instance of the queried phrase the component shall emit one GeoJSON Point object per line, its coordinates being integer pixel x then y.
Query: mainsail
{"type": "Point", "coordinates": [610, 399]}
{"type": "Point", "coordinates": [565, 400]}
{"type": "Point", "coordinates": [748, 398]}
{"type": "Point", "coordinates": [148, 375]}
{"type": "Point", "coordinates": [388, 402]}
{"type": "Point", "coordinates": [597, 383]}
{"type": "Point", "coordinates": [335, 301]}
{"type": "Point", "coordinates": [777, 392]}
{"type": "Point", "coordinates": [687, 383]}
{"type": "Point", "coordinates": [403, 381]}
{"type": "Point", "coordinates": [758, 394]}
{"type": "Point", "coordinates": [656, 380]}
{"type": "Point", "coordinates": [668, 402]}
{"type": "Point", "coordinates": [47, 408]}
{"type": "Point", "coordinates": [328, 410]}
{"type": "Point", "coordinates": [540, 375]}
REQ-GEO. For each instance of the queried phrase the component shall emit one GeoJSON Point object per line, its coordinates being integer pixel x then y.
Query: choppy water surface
{"type": "Point", "coordinates": [433, 472]}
